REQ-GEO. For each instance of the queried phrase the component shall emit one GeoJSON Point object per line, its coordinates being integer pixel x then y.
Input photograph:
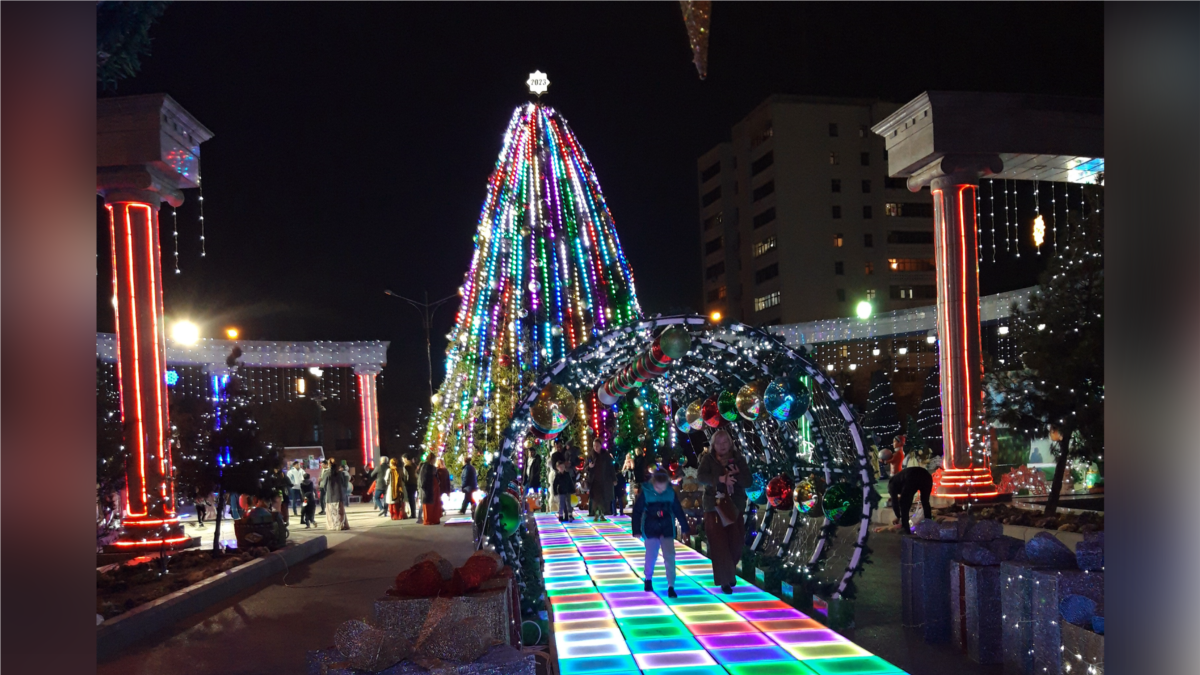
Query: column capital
{"type": "Point", "coordinates": [955, 170]}
{"type": "Point", "coordinates": [143, 184]}
{"type": "Point", "coordinates": [367, 369]}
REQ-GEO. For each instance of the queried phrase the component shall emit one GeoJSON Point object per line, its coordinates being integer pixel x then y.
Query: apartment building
{"type": "Point", "coordinates": [800, 222]}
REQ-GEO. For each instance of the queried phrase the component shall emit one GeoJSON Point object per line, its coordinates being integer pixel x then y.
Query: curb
{"type": "Point", "coordinates": [149, 619]}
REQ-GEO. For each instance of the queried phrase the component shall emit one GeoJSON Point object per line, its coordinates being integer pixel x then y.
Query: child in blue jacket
{"type": "Point", "coordinates": [654, 514]}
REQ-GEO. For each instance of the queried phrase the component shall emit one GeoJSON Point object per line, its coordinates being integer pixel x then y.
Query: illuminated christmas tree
{"type": "Point", "coordinates": [548, 275]}
{"type": "Point", "coordinates": [881, 419]}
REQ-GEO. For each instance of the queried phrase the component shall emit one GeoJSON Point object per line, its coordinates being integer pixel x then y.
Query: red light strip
{"type": "Point", "coordinates": [152, 542]}
{"type": "Point", "coordinates": [962, 242]}
{"type": "Point", "coordinates": [150, 251]}
{"type": "Point", "coordinates": [112, 240]}
{"type": "Point", "coordinates": [136, 368]}
{"type": "Point", "coordinates": [362, 405]}
{"type": "Point", "coordinates": [139, 523]}
{"type": "Point", "coordinates": [943, 324]}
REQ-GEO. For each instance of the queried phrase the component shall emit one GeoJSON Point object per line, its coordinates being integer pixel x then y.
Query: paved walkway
{"type": "Point", "coordinates": [606, 624]}
{"type": "Point", "coordinates": [269, 628]}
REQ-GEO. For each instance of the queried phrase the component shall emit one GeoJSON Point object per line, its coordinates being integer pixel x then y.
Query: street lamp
{"type": "Point", "coordinates": [863, 310]}
{"type": "Point", "coordinates": [231, 333]}
{"type": "Point", "coordinates": [185, 333]}
{"type": "Point", "coordinates": [427, 309]}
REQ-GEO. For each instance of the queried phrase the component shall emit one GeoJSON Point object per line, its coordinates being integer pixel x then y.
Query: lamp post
{"type": "Point", "coordinates": [427, 310]}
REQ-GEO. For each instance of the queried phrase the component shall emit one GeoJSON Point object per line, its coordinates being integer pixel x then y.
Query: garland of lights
{"type": "Point", "coordinates": [722, 358]}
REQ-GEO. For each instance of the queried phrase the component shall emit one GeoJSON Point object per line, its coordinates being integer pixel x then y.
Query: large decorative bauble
{"type": "Point", "coordinates": [757, 492]}
{"type": "Point", "coordinates": [710, 413]}
{"type": "Point", "coordinates": [675, 342]}
{"type": "Point", "coordinates": [779, 492]}
{"type": "Point", "coordinates": [695, 418]}
{"type": "Point", "coordinates": [509, 509]}
{"type": "Point", "coordinates": [553, 409]}
{"type": "Point", "coordinates": [787, 398]}
{"type": "Point", "coordinates": [539, 434]}
{"type": "Point", "coordinates": [727, 405]}
{"type": "Point", "coordinates": [806, 498]}
{"type": "Point", "coordinates": [843, 504]}
{"type": "Point", "coordinates": [749, 401]}
{"type": "Point", "coordinates": [681, 421]}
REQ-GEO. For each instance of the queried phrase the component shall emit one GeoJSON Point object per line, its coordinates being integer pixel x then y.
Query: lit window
{"type": "Point", "coordinates": [911, 264]}
{"type": "Point", "coordinates": [833, 158]}
{"type": "Point", "coordinates": [763, 246]}
{"type": "Point", "coordinates": [870, 292]}
{"type": "Point", "coordinates": [766, 301]}
{"type": "Point", "coordinates": [837, 240]}
{"type": "Point", "coordinates": [869, 269]}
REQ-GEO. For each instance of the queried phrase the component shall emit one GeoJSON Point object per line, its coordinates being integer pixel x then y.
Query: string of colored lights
{"type": "Point", "coordinates": [605, 622]}
{"type": "Point", "coordinates": [547, 274]}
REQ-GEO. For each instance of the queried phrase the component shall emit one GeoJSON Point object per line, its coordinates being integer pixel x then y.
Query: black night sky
{"type": "Point", "coordinates": [353, 141]}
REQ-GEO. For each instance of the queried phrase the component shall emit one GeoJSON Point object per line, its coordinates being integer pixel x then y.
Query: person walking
{"type": "Point", "coordinates": [445, 487]}
{"type": "Point", "coordinates": [200, 500]}
{"type": "Point", "coordinates": [431, 504]}
{"type": "Point", "coordinates": [564, 487]}
{"type": "Point", "coordinates": [308, 492]}
{"type": "Point", "coordinates": [470, 483]}
{"type": "Point", "coordinates": [322, 481]}
{"type": "Point", "coordinates": [336, 487]}
{"type": "Point", "coordinates": [348, 491]}
{"type": "Point", "coordinates": [380, 476]}
{"type": "Point", "coordinates": [395, 491]}
{"type": "Point", "coordinates": [410, 486]}
{"type": "Point", "coordinates": [903, 487]}
{"type": "Point", "coordinates": [296, 476]}
{"type": "Point", "coordinates": [654, 516]}
{"type": "Point", "coordinates": [725, 476]}
{"type": "Point", "coordinates": [603, 479]}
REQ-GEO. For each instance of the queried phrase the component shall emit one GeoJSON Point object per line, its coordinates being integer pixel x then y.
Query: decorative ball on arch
{"type": "Point", "coordinates": [727, 406]}
{"type": "Point", "coordinates": [681, 420]}
{"type": "Point", "coordinates": [807, 500]}
{"type": "Point", "coordinates": [787, 398]}
{"type": "Point", "coordinates": [843, 504]}
{"type": "Point", "coordinates": [749, 400]}
{"type": "Point", "coordinates": [695, 417]}
{"type": "Point", "coordinates": [553, 409]}
{"type": "Point", "coordinates": [779, 493]}
{"type": "Point", "coordinates": [710, 413]}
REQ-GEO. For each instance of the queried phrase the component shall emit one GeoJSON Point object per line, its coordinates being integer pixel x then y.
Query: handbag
{"type": "Point", "coordinates": [725, 511]}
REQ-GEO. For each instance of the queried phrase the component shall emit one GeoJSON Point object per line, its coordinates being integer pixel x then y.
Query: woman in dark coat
{"type": "Point", "coordinates": [410, 485]}
{"type": "Point", "coordinates": [431, 496]}
{"type": "Point", "coordinates": [724, 473]}
{"type": "Point", "coordinates": [602, 477]}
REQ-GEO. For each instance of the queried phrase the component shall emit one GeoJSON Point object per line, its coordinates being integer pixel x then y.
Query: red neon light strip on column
{"type": "Point", "coordinates": [362, 407]}
{"type": "Point", "coordinates": [112, 242]}
{"type": "Point", "coordinates": [136, 367]}
{"type": "Point", "coordinates": [158, 376]}
{"type": "Point", "coordinates": [152, 542]}
{"type": "Point", "coordinates": [962, 240]}
{"type": "Point", "coordinates": [943, 322]}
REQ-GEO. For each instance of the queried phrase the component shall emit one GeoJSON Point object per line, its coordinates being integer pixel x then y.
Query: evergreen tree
{"type": "Point", "coordinates": [1059, 388]}
{"type": "Point", "coordinates": [929, 417]}
{"type": "Point", "coordinates": [110, 449]}
{"type": "Point", "coordinates": [881, 419]}
{"type": "Point", "coordinates": [914, 441]}
{"type": "Point", "coordinates": [244, 464]}
{"type": "Point", "coordinates": [122, 38]}
{"type": "Point", "coordinates": [548, 274]}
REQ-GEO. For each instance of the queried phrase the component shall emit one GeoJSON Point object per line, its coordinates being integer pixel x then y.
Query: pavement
{"type": "Point", "coordinates": [270, 627]}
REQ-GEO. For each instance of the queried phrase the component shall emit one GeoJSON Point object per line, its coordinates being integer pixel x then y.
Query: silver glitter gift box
{"type": "Point", "coordinates": [1083, 651]}
{"type": "Point", "coordinates": [501, 660]}
{"type": "Point", "coordinates": [925, 585]}
{"type": "Point", "coordinates": [408, 614]}
{"type": "Point", "coordinates": [1049, 589]}
{"type": "Point", "coordinates": [975, 611]}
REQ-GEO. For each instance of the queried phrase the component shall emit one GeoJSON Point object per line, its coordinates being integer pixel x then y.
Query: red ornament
{"type": "Point", "coordinates": [779, 492]}
{"type": "Point", "coordinates": [710, 413]}
{"type": "Point", "coordinates": [422, 580]}
{"type": "Point", "coordinates": [505, 360]}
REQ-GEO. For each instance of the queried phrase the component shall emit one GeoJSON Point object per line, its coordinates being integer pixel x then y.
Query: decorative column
{"type": "Point", "coordinates": [148, 151]}
{"type": "Point", "coordinates": [953, 181]}
{"type": "Point", "coordinates": [369, 412]}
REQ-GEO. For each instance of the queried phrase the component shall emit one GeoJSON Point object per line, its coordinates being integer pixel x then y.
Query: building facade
{"type": "Point", "coordinates": [799, 220]}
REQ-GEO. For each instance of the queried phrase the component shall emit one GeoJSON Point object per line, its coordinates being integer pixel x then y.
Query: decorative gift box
{"type": "Point", "coordinates": [925, 585]}
{"type": "Point", "coordinates": [1050, 587]}
{"type": "Point", "coordinates": [500, 660]}
{"type": "Point", "coordinates": [1083, 651]}
{"type": "Point", "coordinates": [975, 611]}
{"type": "Point", "coordinates": [408, 615]}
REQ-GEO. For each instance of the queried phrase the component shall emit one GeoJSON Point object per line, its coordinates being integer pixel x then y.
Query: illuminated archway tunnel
{"type": "Point", "coordinates": [824, 448]}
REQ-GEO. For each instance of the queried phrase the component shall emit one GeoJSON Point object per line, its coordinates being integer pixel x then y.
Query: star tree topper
{"type": "Point", "coordinates": [538, 83]}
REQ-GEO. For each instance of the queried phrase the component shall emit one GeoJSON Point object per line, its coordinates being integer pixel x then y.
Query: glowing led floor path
{"type": "Point", "coordinates": [606, 624]}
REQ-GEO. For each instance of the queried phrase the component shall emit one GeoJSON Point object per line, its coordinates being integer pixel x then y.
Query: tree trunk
{"type": "Point", "coordinates": [1060, 470]}
{"type": "Point", "coordinates": [220, 512]}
